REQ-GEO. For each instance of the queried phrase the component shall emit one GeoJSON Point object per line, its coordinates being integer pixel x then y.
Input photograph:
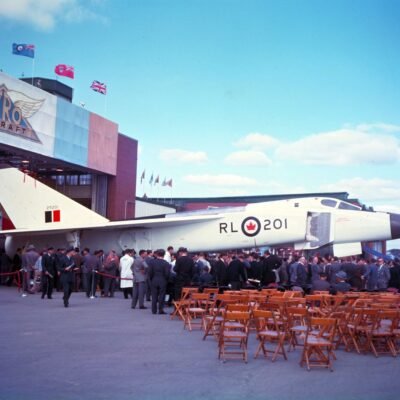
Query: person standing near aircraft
{"type": "Point", "coordinates": [394, 270]}
{"type": "Point", "coordinates": [168, 254]}
{"type": "Point", "coordinates": [66, 270]}
{"type": "Point", "coordinates": [158, 271]}
{"type": "Point", "coordinates": [48, 272]}
{"type": "Point", "coordinates": [139, 269]}
{"type": "Point", "coordinates": [29, 259]}
{"type": "Point", "coordinates": [270, 264]}
{"type": "Point", "coordinates": [111, 264]}
{"type": "Point", "coordinates": [236, 274]}
{"type": "Point", "coordinates": [383, 275]}
{"type": "Point", "coordinates": [90, 265]}
{"type": "Point", "coordinates": [371, 276]}
{"type": "Point", "coordinates": [185, 269]}
{"type": "Point", "coordinates": [126, 275]}
{"type": "Point", "coordinates": [219, 270]}
{"type": "Point", "coordinates": [298, 277]}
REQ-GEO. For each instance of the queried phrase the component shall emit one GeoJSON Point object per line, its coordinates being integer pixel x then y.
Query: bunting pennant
{"type": "Point", "coordinates": [143, 176]}
{"type": "Point", "coordinates": [27, 50]}
{"type": "Point", "coordinates": [157, 180]}
{"type": "Point", "coordinates": [151, 179]}
{"type": "Point", "coordinates": [64, 70]}
{"type": "Point", "coordinates": [167, 182]}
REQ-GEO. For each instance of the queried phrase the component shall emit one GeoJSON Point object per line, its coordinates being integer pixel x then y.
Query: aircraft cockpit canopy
{"type": "Point", "coordinates": [341, 205]}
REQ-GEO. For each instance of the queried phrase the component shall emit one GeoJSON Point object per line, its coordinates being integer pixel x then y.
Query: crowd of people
{"type": "Point", "coordinates": [159, 276]}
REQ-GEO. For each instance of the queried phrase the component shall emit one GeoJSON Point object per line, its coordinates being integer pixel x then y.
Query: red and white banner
{"type": "Point", "coordinates": [65, 70]}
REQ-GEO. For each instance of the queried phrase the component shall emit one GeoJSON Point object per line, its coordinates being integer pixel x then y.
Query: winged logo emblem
{"type": "Point", "coordinates": [15, 110]}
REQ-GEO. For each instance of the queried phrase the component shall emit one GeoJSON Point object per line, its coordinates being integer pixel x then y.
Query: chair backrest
{"type": "Point", "coordinates": [264, 319]}
{"type": "Point", "coordinates": [237, 316]}
{"type": "Point", "coordinates": [200, 300]}
{"type": "Point", "coordinates": [388, 319]}
{"type": "Point", "coordinates": [297, 316]}
{"type": "Point", "coordinates": [187, 291]}
{"type": "Point", "coordinates": [322, 327]}
{"type": "Point", "coordinates": [237, 307]}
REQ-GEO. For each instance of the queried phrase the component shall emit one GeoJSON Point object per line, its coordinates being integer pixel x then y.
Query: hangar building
{"type": "Point", "coordinates": [77, 152]}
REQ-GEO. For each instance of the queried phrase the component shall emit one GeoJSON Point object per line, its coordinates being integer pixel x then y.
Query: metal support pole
{"type": "Point", "coordinates": [93, 288]}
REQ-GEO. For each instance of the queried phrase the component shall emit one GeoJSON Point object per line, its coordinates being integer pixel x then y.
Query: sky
{"type": "Point", "coordinates": [232, 97]}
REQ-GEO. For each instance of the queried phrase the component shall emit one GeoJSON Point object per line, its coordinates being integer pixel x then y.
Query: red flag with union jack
{"type": "Point", "coordinates": [65, 70]}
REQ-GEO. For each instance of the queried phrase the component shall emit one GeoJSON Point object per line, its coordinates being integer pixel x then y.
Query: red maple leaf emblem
{"type": "Point", "coordinates": [250, 226]}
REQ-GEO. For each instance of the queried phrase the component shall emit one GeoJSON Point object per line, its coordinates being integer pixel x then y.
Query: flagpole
{"type": "Point", "coordinates": [33, 68]}
{"type": "Point", "coordinates": [105, 104]}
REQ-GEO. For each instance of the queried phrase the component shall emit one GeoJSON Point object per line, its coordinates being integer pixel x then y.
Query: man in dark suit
{"type": "Point", "coordinates": [219, 270]}
{"type": "Point", "coordinates": [66, 269]}
{"type": "Point", "coordinates": [394, 281]}
{"type": "Point", "coordinates": [158, 272]}
{"type": "Point", "coordinates": [236, 273]}
{"type": "Point", "coordinates": [184, 269]}
{"type": "Point", "coordinates": [48, 272]}
{"type": "Point", "coordinates": [270, 264]}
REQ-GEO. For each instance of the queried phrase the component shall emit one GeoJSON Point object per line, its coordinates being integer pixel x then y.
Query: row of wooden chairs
{"type": "Point", "coordinates": [320, 323]}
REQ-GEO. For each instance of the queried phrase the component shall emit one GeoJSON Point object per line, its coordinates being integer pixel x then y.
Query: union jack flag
{"type": "Point", "coordinates": [99, 87]}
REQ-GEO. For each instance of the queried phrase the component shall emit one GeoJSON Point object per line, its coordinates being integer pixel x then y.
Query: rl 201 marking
{"type": "Point", "coordinates": [251, 226]}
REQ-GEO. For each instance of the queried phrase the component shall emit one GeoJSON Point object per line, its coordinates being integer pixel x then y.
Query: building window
{"type": "Point", "coordinates": [71, 180]}
{"type": "Point", "coordinates": [85, 180]}
{"type": "Point", "coordinates": [59, 179]}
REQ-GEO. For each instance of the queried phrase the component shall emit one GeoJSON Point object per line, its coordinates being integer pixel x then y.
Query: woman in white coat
{"type": "Point", "coordinates": [126, 276]}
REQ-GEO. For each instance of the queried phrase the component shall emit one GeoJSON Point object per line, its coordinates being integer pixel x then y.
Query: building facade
{"type": "Point", "coordinates": [75, 151]}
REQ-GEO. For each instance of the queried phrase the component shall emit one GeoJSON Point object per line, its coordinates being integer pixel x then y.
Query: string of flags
{"type": "Point", "coordinates": [68, 71]}
{"type": "Point", "coordinates": [156, 180]}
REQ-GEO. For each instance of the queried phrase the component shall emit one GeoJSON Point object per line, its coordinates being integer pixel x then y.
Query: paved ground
{"type": "Point", "coordinates": [101, 349]}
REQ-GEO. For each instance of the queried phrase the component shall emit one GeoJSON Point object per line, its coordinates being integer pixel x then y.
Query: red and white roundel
{"type": "Point", "coordinates": [251, 226]}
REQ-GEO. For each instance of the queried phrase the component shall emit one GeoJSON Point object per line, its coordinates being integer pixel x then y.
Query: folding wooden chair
{"type": "Point", "coordinates": [183, 302]}
{"type": "Point", "coordinates": [268, 330]}
{"type": "Point", "coordinates": [319, 343]}
{"type": "Point", "coordinates": [196, 309]}
{"type": "Point", "coordinates": [233, 336]}
{"type": "Point", "coordinates": [213, 319]}
{"type": "Point", "coordinates": [297, 325]}
{"type": "Point", "coordinates": [382, 337]}
{"type": "Point", "coordinates": [366, 323]}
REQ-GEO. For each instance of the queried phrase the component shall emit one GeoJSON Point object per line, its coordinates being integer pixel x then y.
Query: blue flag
{"type": "Point", "coordinates": [27, 50]}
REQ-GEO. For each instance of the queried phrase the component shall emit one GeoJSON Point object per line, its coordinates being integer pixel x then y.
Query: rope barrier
{"type": "Point", "coordinates": [17, 277]}
{"type": "Point", "coordinates": [113, 276]}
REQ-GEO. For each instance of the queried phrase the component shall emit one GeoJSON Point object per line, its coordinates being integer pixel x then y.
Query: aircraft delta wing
{"type": "Point", "coordinates": [44, 217]}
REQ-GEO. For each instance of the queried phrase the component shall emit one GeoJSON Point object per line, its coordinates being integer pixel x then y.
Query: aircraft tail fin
{"type": "Point", "coordinates": [32, 205]}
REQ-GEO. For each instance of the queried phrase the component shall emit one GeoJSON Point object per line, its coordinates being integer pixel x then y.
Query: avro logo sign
{"type": "Point", "coordinates": [15, 109]}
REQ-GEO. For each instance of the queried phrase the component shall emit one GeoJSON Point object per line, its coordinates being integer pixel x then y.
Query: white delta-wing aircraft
{"type": "Point", "coordinates": [44, 217]}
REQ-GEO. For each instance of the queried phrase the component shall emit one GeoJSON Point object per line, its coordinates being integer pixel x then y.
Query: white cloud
{"type": "Point", "coordinates": [257, 141]}
{"type": "Point", "coordinates": [183, 156]}
{"type": "Point", "coordinates": [248, 158]}
{"type": "Point", "coordinates": [43, 14]}
{"type": "Point", "coordinates": [343, 147]}
{"type": "Point", "coordinates": [380, 126]}
{"type": "Point", "coordinates": [222, 180]}
{"type": "Point", "coordinates": [368, 190]}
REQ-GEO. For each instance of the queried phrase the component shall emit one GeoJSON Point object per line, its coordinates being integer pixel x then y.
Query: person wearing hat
{"type": "Point", "coordinates": [29, 258]}
{"type": "Point", "coordinates": [341, 286]}
{"type": "Point", "coordinates": [66, 269]}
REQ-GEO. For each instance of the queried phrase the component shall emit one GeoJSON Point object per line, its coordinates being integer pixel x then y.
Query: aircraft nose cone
{"type": "Point", "coordinates": [395, 225]}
